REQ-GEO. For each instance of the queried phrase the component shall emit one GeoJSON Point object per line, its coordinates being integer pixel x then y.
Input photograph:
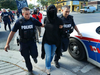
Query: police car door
{"type": "Point", "coordinates": [98, 52]}
{"type": "Point", "coordinates": [98, 45]}
{"type": "Point", "coordinates": [92, 50]}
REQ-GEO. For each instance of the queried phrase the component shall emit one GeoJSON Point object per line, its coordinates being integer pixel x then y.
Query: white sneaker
{"type": "Point", "coordinates": [48, 71]}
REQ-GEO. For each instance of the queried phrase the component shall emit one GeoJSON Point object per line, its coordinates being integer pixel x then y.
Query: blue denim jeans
{"type": "Point", "coordinates": [50, 51]}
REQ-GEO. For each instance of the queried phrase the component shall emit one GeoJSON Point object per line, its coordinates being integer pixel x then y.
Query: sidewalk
{"type": "Point", "coordinates": [14, 57]}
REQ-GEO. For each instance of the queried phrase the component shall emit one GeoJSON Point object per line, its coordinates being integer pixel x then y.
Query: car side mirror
{"type": "Point", "coordinates": [98, 30]}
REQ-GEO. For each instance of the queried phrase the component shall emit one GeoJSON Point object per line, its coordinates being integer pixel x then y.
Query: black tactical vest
{"type": "Point", "coordinates": [27, 33]}
{"type": "Point", "coordinates": [68, 26]}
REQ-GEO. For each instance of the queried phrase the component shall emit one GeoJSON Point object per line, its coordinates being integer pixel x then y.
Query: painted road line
{"type": "Point", "coordinates": [87, 68]}
{"type": "Point", "coordinates": [76, 69]}
{"type": "Point", "coordinates": [10, 69]}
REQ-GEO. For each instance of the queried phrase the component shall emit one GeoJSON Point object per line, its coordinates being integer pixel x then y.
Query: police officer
{"type": "Point", "coordinates": [6, 18]}
{"type": "Point", "coordinates": [26, 27]}
{"type": "Point", "coordinates": [68, 27]}
{"type": "Point", "coordinates": [11, 15]}
{"type": "Point", "coordinates": [18, 14]}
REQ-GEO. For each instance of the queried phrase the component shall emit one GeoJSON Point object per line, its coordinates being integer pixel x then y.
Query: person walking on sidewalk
{"type": "Point", "coordinates": [18, 14]}
{"type": "Point", "coordinates": [26, 27]}
{"type": "Point", "coordinates": [77, 8]}
{"type": "Point", "coordinates": [6, 19]}
{"type": "Point", "coordinates": [68, 27]}
{"type": "Point", "coordinates": [11, 15]}
{"type": "Point", "coordinates": [51, 37]}
{"type": "Point", "coordinates": [37, 15]}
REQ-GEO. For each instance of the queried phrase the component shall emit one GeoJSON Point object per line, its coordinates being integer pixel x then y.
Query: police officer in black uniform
{"type": "Point", "coordinates": [68, 27]}
{"type": "Point", "coordinates": [26, 27]}
{"type": "Point", "coordinates": [6, 18]}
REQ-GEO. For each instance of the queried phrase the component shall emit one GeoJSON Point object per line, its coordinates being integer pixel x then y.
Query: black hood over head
{"type": "Point", "coordinates": [51, 13]}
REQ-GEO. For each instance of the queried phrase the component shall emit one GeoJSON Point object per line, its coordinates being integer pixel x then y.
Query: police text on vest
{"type": "Point", "coordinates": [27, 27]}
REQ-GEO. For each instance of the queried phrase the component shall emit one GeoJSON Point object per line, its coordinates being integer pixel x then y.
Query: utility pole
{"type": "Point", "coordinates": [57, 5]}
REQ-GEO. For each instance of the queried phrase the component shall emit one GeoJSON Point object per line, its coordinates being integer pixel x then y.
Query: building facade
{"type": "Point", "coordinates": [73, 4]}
{"type": "Point", "coordinates": [95, 4]}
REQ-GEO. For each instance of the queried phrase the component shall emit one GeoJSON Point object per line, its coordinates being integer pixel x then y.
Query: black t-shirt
{"type": "Point", "coordinates": [10, 13]}
{"type": "Point", "coordinates": [26, 25]}
{"type": "Point", "coordinates": [5, 15]}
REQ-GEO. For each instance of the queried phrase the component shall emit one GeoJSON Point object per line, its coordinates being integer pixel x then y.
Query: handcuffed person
{"type": "Point", "coordinates": [51, 37]}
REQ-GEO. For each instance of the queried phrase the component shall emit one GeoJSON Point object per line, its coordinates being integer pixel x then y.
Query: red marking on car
{"type": "Point", "coordinates": [93, 48]}
{"type": "Point", "coordinates": [88, 39]}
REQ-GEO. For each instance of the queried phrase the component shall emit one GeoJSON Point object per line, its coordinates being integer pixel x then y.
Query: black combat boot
{"type": "Point", "coordinates": [30, 73]}
{"type": "Point", "coordinates": [57, 64]}
{"type": "Point", "coordinates": [35, 60]}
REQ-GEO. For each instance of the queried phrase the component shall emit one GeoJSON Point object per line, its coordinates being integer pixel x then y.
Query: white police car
{"type": "Point", "coordinates": [89, 45]}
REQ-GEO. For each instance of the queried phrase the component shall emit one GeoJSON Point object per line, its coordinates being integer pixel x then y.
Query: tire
{"type": "Point", "coordinates": [76, 49]}
{"type": "Point", "coordinates": [85, 11]}
{"type": "Point", "coordinates": [93, 11]}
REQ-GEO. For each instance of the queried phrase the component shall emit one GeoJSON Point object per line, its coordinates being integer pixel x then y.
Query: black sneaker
{"type": "Point", "coordinates": [57, 64]}
{"type": "Point", "coordinates": [30, 73]}
{"type": "Point", "coordinates": [35, 60]}
{"type": "Point", "coordinates": [37, 41]}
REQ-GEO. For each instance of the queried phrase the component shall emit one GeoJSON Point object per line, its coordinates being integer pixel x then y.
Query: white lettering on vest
{"type": "Point", "coordinates": [27, 27]}
{"type": "Point", "coordinates": [67, 25]}
{"type": "Point", "coordinates": [5, 14]}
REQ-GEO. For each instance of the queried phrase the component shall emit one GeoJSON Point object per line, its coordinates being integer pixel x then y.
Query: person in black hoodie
{"type": "Point", "coordinates": [51, 37]}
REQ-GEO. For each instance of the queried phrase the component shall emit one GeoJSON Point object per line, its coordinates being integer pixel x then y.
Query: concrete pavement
{"type": "Point", "coordinates": [13, 58]}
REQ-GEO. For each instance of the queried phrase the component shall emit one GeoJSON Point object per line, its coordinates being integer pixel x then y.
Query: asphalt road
{"type": "Point", "coordinates": [67, 62]}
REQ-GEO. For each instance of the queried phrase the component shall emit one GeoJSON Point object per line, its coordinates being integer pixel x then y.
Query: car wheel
{"type": "Point", "coordinates": [76, 49]}
{"type": "Point", "coordinates": [93, 11]}
{"type": "Point", "coordinates": [85, 11]}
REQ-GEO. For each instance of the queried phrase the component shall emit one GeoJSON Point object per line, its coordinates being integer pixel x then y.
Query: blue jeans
{"type": "Point", "coordinates": [50, 51]}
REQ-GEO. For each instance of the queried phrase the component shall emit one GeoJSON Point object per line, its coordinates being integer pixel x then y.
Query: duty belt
{"type": "Point", "coordinates": [26, 40]}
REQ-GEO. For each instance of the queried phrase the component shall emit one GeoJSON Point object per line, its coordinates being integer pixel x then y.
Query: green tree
{"type": "Point", "coordinates": [31, 6]}
{"type": "Point", "coordinates": [38, 5]}
{"type": "Point", "coordinates": [43, 2]}
{"type": "Point", "coordinates": [8, 4]}
{"type": "Point", "coordinates": [46, 2]}
{"type": "Point", "coordinates": [52, 1]}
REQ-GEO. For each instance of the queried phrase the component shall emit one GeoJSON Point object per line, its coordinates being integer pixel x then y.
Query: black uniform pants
{"type": "Point", "coordinates": [7, 22]}
{"type": "Point", "coordinates": [28, 49]}
{"type": "Point", "coordinates": [63, 48]}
